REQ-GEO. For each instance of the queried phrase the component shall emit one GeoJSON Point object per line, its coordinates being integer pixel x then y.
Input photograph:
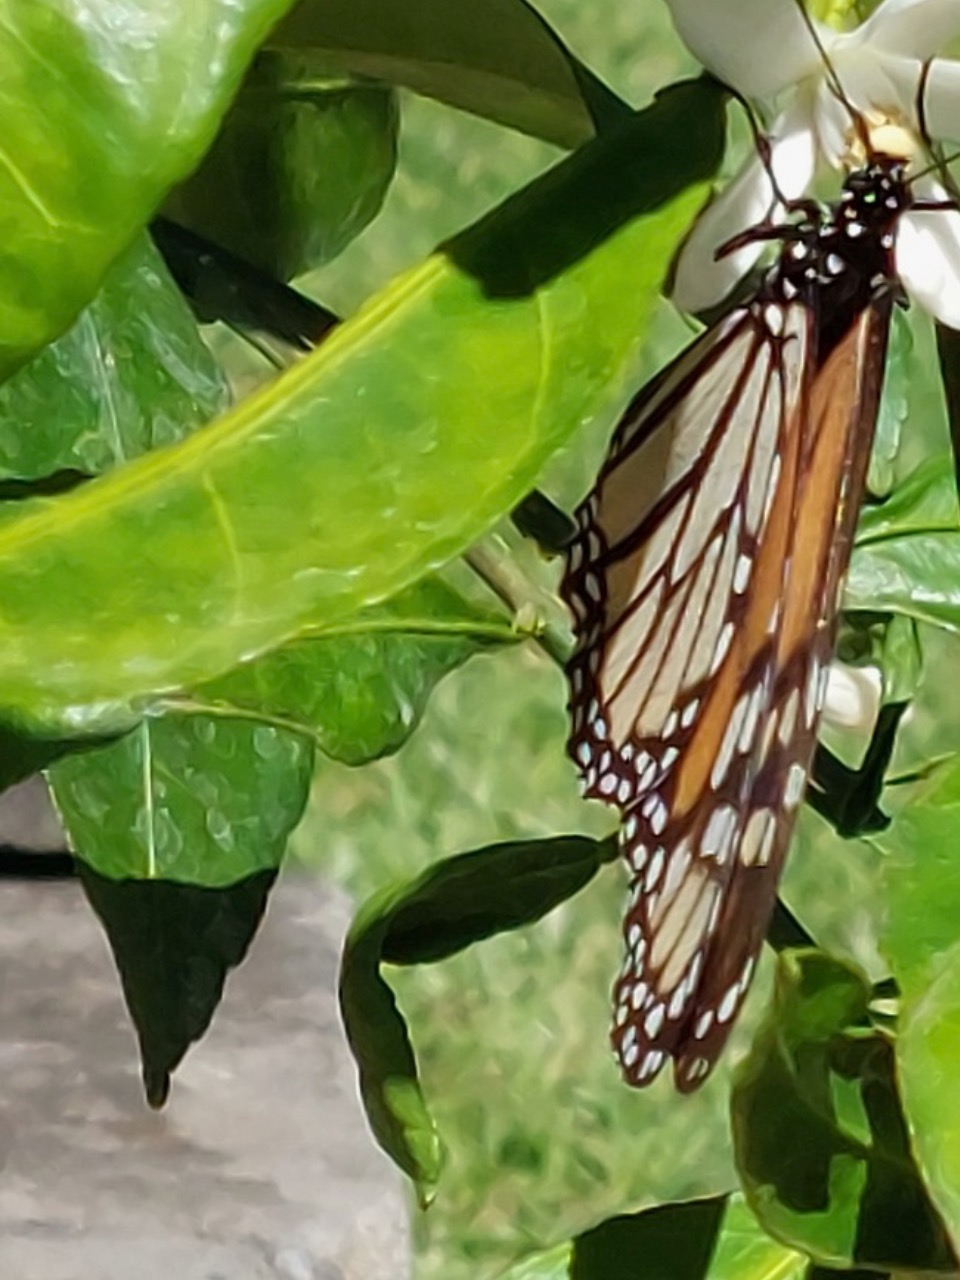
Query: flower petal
{"type": "Point", "coordinates": [928, 257]}
{"type": "Point", "coordinates": [701, 280]}
{"type": "Point", "coordinates": [883, 90]}
{"type": "Point", "coordinates": [758, 47]}
{"type": "Point", "coordinates": [911, 28]}
{"type": "Point", "coordinates": [853, 696]}
{"type": "Point", "coordinates": [942, 99]}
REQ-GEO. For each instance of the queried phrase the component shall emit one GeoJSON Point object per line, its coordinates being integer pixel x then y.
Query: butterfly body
{"type": "Point", "coordinates": [704, 583]}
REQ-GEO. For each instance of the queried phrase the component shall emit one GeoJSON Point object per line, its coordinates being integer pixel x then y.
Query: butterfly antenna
{"type": "Point", "coordinates": [761, 141]}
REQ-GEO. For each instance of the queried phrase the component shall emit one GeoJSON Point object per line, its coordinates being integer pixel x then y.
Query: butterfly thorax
{"type": "Point", "coordinates": [841, 257]}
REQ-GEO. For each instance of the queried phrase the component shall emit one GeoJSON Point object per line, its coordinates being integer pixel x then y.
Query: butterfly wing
{"type": "Point", "coordinates": [703, 584]}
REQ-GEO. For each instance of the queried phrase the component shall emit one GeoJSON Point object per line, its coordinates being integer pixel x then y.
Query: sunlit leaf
{"type": "Point", "coordinates": [921, 876]}
{"type": "Point", "coordinates": [925, 502]}
{"type": "Point", "coordinates": [89, 151]}
{"type": "Point", "coordinates": [360, 468]}
{"type": "Point", "coordinates": [917, 575]}
{"type": "Point", "coordinates": [928, 1054]}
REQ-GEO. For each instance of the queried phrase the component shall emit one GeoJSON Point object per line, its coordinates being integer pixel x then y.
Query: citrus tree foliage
{"type": "Point", "coordinates": [212, 581]}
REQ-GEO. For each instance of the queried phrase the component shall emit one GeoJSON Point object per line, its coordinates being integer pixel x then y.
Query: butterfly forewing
{"type": "Point", "coordinates": [704, 584]}
{"type": "Point", "coordinates": [835, 448]}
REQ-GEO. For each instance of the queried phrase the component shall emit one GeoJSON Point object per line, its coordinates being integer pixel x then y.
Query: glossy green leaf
{"type": "Point", "coordinates": [89, 151]}
{"type": "Point", "coordinates": [928, 1055]}
{"type": "Point", "coordinates": [901, 660]}
{"type": "Point", "coordinates": [921, 876]}
{"type": "Point", "coordinates": [820, 1142]}
{"type": "Point", "coordinates": [187, 798]}
{"type": "Point", "coordinates": [917, 575]}
{"type": "Point", "coordinates": [925, 502]}
{"type": "Point", "coordinates": [744, 1251]}
{"type": "Point", "coordinates": [132, 374]}
{"type": "Point", "coordinates": [454, 903]}
{"type": "Point", "coordinates": [501, 61]}
{"type": "Point", "coordinates": [360, 692]}
{"type": "Point", "coordinates": [174, 945]}
{"type": "Point", "coordinates": [901, 370]}
{"type": "Point", "coordinates": [299, 168]}
{"type": "Point", "coordinates": [386, 452]}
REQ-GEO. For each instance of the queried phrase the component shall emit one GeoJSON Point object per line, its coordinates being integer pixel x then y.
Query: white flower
{"type": "Point", "coordinates": [853, 696]}
{"type": "Point", "coordinates": [763, 48]}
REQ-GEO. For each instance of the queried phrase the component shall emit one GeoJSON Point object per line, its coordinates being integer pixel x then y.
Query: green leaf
{"type": "Point", "coordinates": [455, 903]}
{"type": "Point", "coordinates": [715, 1239]}
{"type": "Point", "coordinates": [921, 941]}
{"type": "Point", "coordinates": [675, 1241]}
{"type": "Point", "coordinates": [299, 168]}
{"type": "Point", "coordinates": [173, 945]}
{"type": "Point", "coordinates": [389, 1083]}
{"type": "Point", "coordinates": [550, 1264]}
{"type": "Point", "coordinates": [928, 1055]}
{"type": "Point", "coordinates": [89, 151]}
{"type": "Point", "coordinates": [385, 453]}
{"type": "Point", "coordinates": [921, 876]}
{"type": "Point", "coordinates": [744, 1251]}
{"type": "Point", "coordinates": [131, 375]}
{"type": "Point", "coordinates": [501, 61]}
{"type": "Point", "coordinates": [821, 1145]}
{"type": "Point", "coordinates": [361, 692]}
{"type": "Point", "coordinates": [186, 798]}
{"type": "Point", "coordinates": [925, 502]}
{"type": "Point", "coordinates": [901, 370]}
{"type": "Point", "coordinates": [916, 575]}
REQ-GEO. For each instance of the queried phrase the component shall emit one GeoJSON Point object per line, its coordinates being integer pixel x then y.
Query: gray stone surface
{"type": "Point", "coordinates": [260, 1168]}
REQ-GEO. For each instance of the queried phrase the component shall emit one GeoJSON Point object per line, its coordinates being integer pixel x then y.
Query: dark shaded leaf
{"type": "Point", "coordinates": [300, 166]}
{"type": "Point", "coordinates": [463, 900]}
{"type": "Point", "coordinates": [820, 1141]}
{"type": "Point", "coordinates": [174, 945]}
{"type": "Point", "coordinates": [714, 1239]}
{"type": "Point", "coordinates": [538, 518]}
{"type": "Point", "coordinates": [452, 905]}
{"type": "Point", "coordinates": [502, 61]}
{"type": "Point", "coordinates": [849, 798]}
{"type": "Point", "coordinates": [220, 286]}
{"type": "Point", "coordinates": [675, 1242]}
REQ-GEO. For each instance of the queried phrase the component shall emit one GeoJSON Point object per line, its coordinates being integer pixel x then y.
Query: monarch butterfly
{"type": "Point", "coordinates": [704, 583]}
